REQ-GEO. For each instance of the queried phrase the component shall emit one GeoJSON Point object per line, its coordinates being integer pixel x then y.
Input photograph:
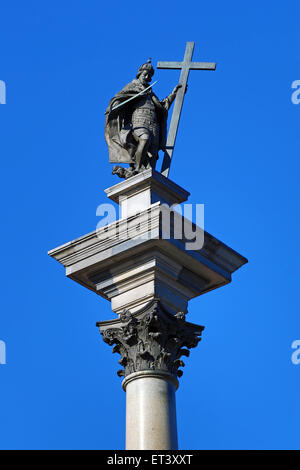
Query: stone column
{"type": "Point", "coordinates": [151, 343]}
{"type": "Point", "coordinates": [150, 410]}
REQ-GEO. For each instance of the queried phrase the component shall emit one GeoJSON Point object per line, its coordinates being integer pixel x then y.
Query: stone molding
{"type": "Point", "coordinates": [157, 374]}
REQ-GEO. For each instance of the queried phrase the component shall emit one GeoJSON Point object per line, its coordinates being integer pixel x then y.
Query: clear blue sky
{"type": "Point", "coordinates": [237, 152]}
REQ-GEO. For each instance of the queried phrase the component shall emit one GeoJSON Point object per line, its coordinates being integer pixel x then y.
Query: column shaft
{"type": "Point", "coordinates": [150, 412]}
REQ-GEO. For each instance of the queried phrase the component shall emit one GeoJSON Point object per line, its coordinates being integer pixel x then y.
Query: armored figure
{"type": "Point", "coordinates": [136, 124]}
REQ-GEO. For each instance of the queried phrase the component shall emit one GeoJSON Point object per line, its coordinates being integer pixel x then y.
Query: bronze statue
{"type": "Point", "coordinates": [136, 124]}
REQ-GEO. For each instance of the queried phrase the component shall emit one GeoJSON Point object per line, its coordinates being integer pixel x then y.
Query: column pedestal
{"type": "Point", "coordinates": [150, 411]}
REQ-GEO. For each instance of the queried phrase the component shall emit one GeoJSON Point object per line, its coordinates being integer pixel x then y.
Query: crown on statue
{"type": "Point", "coordinates": [147, 66]}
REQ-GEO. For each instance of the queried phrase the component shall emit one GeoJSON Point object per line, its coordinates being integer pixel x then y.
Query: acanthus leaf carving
{"type": "Point", "coordinates": [151, 339]}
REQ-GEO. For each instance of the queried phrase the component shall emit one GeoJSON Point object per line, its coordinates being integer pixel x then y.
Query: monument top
{"type": "Point", "coordinates": [136, 119]}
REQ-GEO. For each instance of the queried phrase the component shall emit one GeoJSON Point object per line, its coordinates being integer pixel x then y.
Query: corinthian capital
{"type": "Point", "coordinates": [151, 339]}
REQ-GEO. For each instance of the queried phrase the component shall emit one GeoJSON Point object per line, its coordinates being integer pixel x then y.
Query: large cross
{"type": "Point", "coordinates": [186, 65]}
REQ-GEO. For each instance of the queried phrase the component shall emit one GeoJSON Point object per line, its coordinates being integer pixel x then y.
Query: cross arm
{"type": "Point", "coordinates": [191, 65]}
{"type": "Point", "coordinates": [169, 65]}
{"type": "Point", "coordinates": [203, 66]}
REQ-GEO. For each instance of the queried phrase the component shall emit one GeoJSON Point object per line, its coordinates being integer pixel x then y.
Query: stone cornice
{"type": "Point", "coordinates": [214, 251]}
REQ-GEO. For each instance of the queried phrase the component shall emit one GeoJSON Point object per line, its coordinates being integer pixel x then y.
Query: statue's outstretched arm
{"type": "Point", "coordinates": [169, 99]}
